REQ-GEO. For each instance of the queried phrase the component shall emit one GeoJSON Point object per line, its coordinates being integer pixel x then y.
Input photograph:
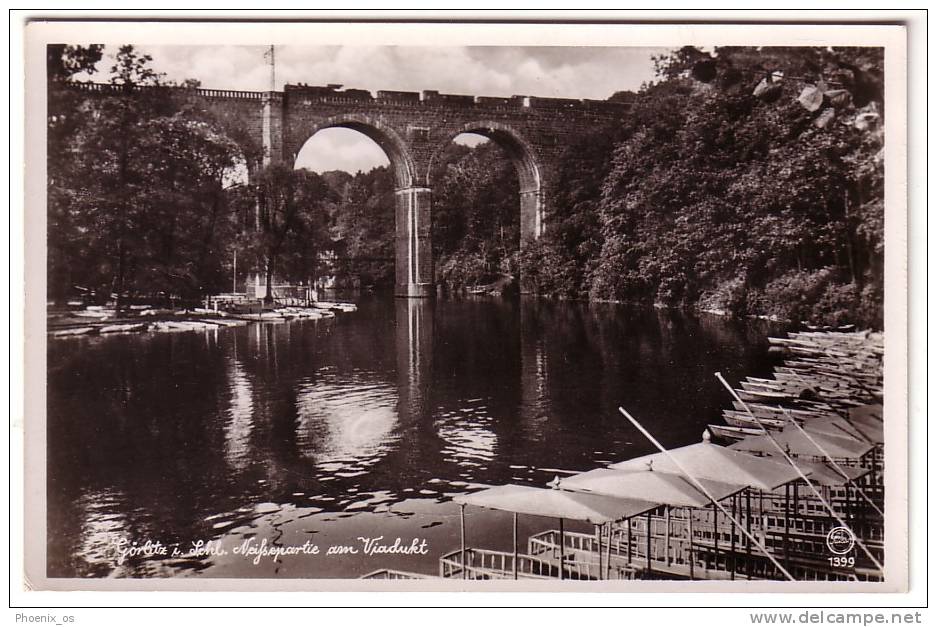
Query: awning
{"type": "Point", "coordinates": [865, 412]}
{"type": "Point", "coordinates": [794, 442]}
{"type": "Point", "coordinates": [662, 487]}
{"type": "Point", "coordinates": [867, 417]}
{"type": "Point", "coordinates": [821, 473]}
{"type": "Point", "coordinates": [591, 508]}
{"type": "Point", "coordinates": [705, 460]}
{"type": "Point", "coordinates": [840, 427]}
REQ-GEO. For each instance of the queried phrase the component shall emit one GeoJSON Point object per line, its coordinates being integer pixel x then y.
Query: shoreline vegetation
{"type": "Point", "coordinates": [746, 182]}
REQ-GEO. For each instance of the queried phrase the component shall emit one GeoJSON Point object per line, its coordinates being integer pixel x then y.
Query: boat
{"type": "Point", "coordinates": [335, 306]}
{"type": "Point", "coordinates": [765, 396]}
{"type": "Point", "coordinates": [73, 331]}
{"type": "Point", "coordinates": [93, 313]}
{"type": "Point", "coordinates": [746, 420]}
{"type": "Point", "coordinates": [774, 411]}
{"type": "Point", "coordinates": [123, 328]}
{"type": "Point", "coordinates": [726, 432]}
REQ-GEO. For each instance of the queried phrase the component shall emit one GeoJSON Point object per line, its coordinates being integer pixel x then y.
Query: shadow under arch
{"type": "Point", "coordinates": [529, 172]}
{"type": "Point", "coordinates": [388, 139]}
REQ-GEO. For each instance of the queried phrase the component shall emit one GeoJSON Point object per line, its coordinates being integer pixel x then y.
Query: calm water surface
{"type": "Point", "coordinates": [325, 432]}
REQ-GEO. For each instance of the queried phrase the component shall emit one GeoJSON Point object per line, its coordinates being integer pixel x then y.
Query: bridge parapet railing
{"type": "Point", "coordinates": [386, 99]}
{"type": "Point", "coordinates": [105, 88]}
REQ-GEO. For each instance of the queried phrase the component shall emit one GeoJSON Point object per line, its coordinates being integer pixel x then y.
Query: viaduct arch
{"type": "Point", "coordinates": [413, 128]}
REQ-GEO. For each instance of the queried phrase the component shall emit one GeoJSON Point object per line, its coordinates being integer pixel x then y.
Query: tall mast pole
{"type": "Point", "coordinates": [273, 69]}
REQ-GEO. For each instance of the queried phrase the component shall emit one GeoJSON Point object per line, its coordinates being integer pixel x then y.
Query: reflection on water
{"type": "Point", "coordinates": [364, 425]}
{"type": "Point", "coordinates": [343, 421]}
{"type": "Point", "coordinates": [240, 421]}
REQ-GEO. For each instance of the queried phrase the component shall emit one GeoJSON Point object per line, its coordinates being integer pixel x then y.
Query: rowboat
{"type": "Point", "coordinates": [765, 396]}
{"type": "Point", "coordinates": [742, 419]}
{"type": "Point", "coordinates": [123, 328]}
{"type": "Point", "coordinates": [773, 411]}
{"type": "Point", "coordinates": [333, 306]}
{"type": "Point", "coordinates": [73, 331]}
{"type": "Point", "coordinates": [726, 432]}
{"type": "Point", "coordinates": [93, 313]}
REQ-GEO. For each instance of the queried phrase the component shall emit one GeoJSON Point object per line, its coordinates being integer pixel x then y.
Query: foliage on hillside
{"type": "Point", "coordinates": [475, 216]}
{"type": "Point", "coordinates": [730, 190]}
{"type": "Point", "coordinates": [362, 227]}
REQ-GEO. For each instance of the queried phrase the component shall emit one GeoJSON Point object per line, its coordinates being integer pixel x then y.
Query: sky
{"type": "Point", "coordinates": [561, 72]}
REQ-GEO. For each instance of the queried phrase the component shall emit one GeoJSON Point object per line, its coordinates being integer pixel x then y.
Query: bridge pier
{"type": "Point", "coordinates": [414, 271]}
{"type": "Point", "coordinates": [531, 227]}
{"type": "Point", "coordinates": [531, 215]}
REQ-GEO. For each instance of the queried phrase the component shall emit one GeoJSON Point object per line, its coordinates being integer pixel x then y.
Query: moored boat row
{"type": "Point", "coordinates": [102, 321]}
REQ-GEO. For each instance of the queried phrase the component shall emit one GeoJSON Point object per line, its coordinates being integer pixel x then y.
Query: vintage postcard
{"type": "Point", "coordinates": [466, 307]}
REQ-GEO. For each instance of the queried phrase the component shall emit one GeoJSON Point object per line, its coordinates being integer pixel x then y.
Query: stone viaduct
{"type": "Point", "coordinates": [413, 129]}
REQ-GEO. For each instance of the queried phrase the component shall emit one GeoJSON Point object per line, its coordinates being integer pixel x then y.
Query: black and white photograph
{"type": "Point", "coordinates": [609, 311]}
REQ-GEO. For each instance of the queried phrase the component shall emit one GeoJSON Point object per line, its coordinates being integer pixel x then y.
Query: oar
{"type": "Point", "coordinates": [703, 489]}
{"type": "Point", "coordinates": [813, 488]}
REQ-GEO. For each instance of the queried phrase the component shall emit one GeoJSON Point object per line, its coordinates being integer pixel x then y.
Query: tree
{"type": "Point", "coordinates": [560, 263]}
{"type": "Point", "coordinates": [289, 226]}
{"type": "Point", "coordinates": [136, 187]}
{"type": "Point", "coordinates": [65, 117]}
{"type": "Point", "coordinates": [63, 61]}
{"type": "Point", "coordinates": [363, 226]}
{"type": "Point", "coordinates": [476, 215]}
{"type": "Point", "coordinates": [747, 180]}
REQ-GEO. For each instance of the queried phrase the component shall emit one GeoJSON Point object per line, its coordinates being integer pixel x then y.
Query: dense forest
{"type": "Point", "coordinates": [746, 181]}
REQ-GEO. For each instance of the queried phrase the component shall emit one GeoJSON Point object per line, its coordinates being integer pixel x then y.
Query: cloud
{"type": "Point", "coordinates": [567, 72]}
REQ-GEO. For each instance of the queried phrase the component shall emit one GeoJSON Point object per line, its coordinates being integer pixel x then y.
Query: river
{"type": "Point", "coordinates": [187, 454]}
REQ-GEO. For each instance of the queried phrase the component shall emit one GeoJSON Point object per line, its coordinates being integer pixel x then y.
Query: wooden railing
{"type": "Point", "coordinates": [580, 556]}
{"type": "Point", "coordinates": [388, 573]}
{"type": "Point", "coordinates": [487, 564]}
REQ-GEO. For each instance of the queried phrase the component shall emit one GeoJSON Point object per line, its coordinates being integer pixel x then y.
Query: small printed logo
{"type": "Point", "coordinates": [840, 540]}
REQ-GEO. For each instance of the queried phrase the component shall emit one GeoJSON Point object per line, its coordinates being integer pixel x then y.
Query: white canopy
{"type": "Point", "coordinates": [705, 460]}
{"type": "Point", "coordinates": [650, 485]}
{"type": "Point", "coordinates": [591, 508]}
